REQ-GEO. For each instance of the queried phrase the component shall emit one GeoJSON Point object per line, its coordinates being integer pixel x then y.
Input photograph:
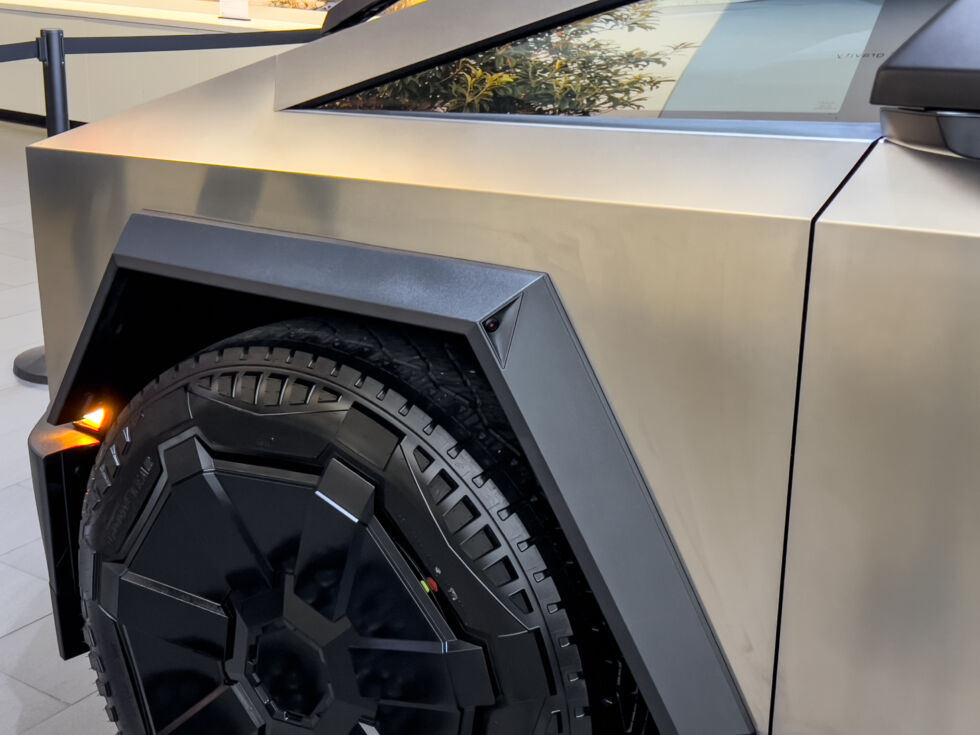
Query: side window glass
{"type": "Point", "coordinates": [613, 61]}
{"type": "Point", "coordinates": [770, 59]}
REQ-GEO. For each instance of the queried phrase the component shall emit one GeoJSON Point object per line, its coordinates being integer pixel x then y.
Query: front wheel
{"type": "Point", "coordinates": [292, 533]}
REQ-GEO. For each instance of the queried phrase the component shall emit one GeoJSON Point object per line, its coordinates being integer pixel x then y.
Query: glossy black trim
{"type": "Point", "coordinates": [939, 67]}
{"type": "Point", "coordinates": [61, 459]}
{"type": "Point", "coordinates": [934, 131]}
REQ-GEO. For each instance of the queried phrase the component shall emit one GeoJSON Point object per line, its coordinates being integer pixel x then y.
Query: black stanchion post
{"type": "Point", "coordinates": [51, 52]}
{"type": "Point", "coordinates": [31, 365]}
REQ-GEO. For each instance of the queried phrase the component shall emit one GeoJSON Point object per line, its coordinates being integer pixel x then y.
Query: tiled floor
{"type": "Point", "coordinates": [39, 693]}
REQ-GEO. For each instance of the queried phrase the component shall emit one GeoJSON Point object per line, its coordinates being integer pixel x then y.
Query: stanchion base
{"type": "Point", "coordinates": [31, 366]}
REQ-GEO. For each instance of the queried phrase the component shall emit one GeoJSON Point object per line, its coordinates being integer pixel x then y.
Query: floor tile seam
{"type": "Point", "coordinates": [56, 714]}
{"type": "Point", "coordinates": [48, 694]}
{"type": "Point", "coordinates": [21, 571]}
{"type": "Point", "coordinates": [4, 318]}
{"type": "Point", "coordinates": [19, 313]}
{"type": "Point", "coordinates": [25, 625]}
{"type": "Point", "coordinates": [17, 548]}
{"type": "Point", "coordinates": [16, 257]}
{"type": "Point", "coordinates": [5, 635]}
{"type": "Point", "coordinates": [11, 566]}
{"type": "Point", "coordinates": [7, 564]}
{"type": "Point", "coordinates": [23, 483]}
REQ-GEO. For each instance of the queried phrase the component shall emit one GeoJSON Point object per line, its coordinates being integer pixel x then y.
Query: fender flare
{"type": "Point", "coordinates": [175, 285]}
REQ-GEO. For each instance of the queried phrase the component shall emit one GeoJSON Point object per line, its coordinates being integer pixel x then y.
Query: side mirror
{"type": "Point", "coordinates": [930, 88]}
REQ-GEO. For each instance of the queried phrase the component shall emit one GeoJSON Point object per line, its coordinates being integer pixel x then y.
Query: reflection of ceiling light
{"type": "Point", "coordinates": [93, 420]}
{"type": "Point", "coordinates": [369, 730]}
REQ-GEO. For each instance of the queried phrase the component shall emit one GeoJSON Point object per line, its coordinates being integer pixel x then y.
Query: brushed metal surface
{"type": "Point", "coordinates": [880, 620]}
{"type": "Point", "coordinates": [680, 257]}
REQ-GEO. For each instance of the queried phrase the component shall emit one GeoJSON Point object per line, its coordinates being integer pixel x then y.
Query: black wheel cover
{"type": "Point", "coordinates": [274, 542]}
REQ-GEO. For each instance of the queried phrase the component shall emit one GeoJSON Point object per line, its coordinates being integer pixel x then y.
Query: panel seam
{"type": "Point", "coordinates": [796, 421]}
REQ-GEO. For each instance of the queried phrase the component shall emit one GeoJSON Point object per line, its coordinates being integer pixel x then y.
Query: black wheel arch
{"type": "Point", "coordinates": [176, 285]}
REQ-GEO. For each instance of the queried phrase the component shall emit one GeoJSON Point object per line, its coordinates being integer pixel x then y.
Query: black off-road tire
{"type": "Point", "coordinates": [219, 587]}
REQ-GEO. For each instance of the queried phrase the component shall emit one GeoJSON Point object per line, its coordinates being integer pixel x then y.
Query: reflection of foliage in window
{"type": "Point", "coordinates": [402, 5]}
{"type": "Point", "coordinates": [568, 71]}
{"type": "Point", "coordinates": [300, 4]}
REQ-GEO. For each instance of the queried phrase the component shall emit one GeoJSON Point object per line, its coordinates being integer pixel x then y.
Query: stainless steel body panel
{"type": "Point", "coordinates": [680, 257]}
{"type": "Point", "coordinates": [882, 585]}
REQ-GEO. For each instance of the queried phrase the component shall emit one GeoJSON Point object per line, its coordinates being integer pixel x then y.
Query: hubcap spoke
{"type": "Point", "coordinates": [332, 540]}
{"type": "Point", "coordinates": [220, 711]}
{"type": "Point", "coordinates": [423, 674]}
{"type": "Point", "coordinates": [212, 516]}
{"type": "Point", "coordinates": [165, 612]}
{"type": "Point", "coordinates": [328, 545]}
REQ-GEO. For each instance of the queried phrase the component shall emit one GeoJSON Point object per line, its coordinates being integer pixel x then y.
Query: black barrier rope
{"type": "Point", "coordinates": [52, 47]}
{"type": "Point", "coordinates": [18, 51]}
{"type": "Point", "coordinates": [139, 44]}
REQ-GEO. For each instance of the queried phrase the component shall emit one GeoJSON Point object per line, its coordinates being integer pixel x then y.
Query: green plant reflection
{"type": "Point", "coordinates": [573, 70]}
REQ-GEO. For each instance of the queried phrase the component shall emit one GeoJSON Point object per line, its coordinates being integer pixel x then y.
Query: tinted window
{"type": "Point", "coordinates": [779, 59]}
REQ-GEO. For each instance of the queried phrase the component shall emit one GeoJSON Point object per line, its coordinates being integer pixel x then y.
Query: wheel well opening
{"type": "Point", "coordinates": [150, 322]}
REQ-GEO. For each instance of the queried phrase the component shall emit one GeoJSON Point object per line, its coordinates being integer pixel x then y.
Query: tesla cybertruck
{"type": "Point", "coordinates": [528, 368]}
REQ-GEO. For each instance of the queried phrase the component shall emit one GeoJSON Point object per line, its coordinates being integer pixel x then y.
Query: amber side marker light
{"type": "Point", "coordinates": [93, 420]}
